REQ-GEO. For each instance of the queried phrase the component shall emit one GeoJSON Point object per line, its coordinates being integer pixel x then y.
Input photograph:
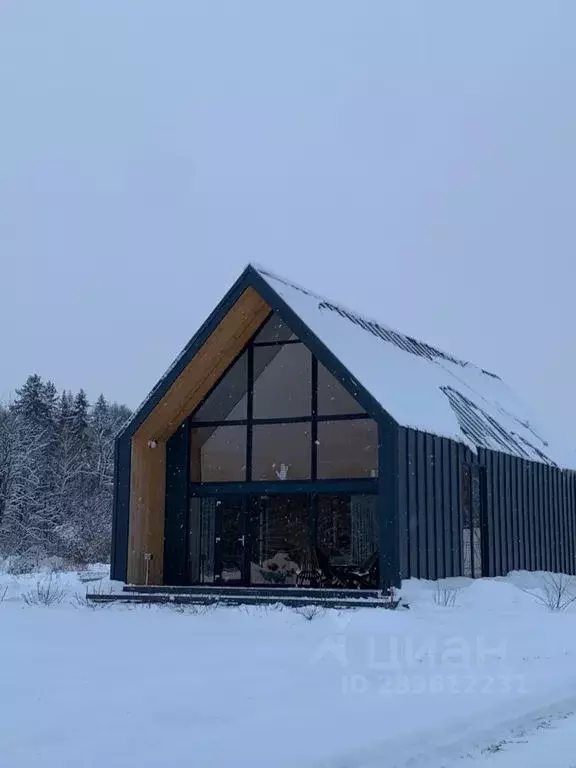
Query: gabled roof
{"type": "Point", "coordinates": [416, 384]}
{"type": "Point", "coordinates": [419, 385]}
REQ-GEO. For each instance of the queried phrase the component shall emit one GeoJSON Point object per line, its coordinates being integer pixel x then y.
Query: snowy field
{"type": "Point", "coordinates": [489, 681]}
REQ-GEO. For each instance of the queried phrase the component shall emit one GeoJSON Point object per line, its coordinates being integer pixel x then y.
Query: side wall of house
{"type": "Point", "coordinates": [531, 515]}
{"type": "Point", "coordinates": [120, 510]}
{"type": "Point", "coordinates": [530, 510]}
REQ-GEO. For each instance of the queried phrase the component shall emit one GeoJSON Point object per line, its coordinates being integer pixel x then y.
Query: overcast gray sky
{"type": "Point", "coordinates": [414, 160]}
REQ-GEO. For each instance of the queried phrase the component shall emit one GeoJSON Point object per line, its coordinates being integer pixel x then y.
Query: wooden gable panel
{"type": "Point", "coordinates": [148, 466]}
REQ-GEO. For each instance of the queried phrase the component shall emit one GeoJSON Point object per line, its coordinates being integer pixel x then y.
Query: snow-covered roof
{"type": "Point", "coordinates": [419, 385]}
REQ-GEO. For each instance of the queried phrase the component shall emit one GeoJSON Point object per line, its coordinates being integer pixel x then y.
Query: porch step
{"type": "Point", "coordinates": [209, 598]}
{"type": "Point", "coordinates": [272, 592]}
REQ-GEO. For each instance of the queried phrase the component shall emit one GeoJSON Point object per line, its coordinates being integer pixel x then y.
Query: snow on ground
{"type": "Point", "coordinates": [546, 741]}
{"type": "Point", "coordinates": [470, 684]}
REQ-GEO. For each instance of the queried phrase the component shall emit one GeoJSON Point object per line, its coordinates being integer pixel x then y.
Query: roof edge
{"type": "Point", "coordinates": [439, 352]}
{"type": "Point", "coordinates": [249, 278]}
{"type": "Point", "coordinates": [177, 366]}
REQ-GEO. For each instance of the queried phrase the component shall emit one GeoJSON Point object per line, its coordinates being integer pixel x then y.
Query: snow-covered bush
{"type": "Point", "coordinates": [46, 592]}
{"type": "Point", "coordinates": [445, 596]}
{"type": "Point", "coordinates": [310, 612]}
{"type": "Point", "coordinates": [557, 591]}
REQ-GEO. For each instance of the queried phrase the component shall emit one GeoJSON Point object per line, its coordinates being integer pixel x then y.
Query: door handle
{"type": "Point", "coordinates": [242, 539]}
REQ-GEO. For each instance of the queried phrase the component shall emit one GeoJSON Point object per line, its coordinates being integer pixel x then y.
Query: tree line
{"type": "Point", "coordinates": [56, 474]}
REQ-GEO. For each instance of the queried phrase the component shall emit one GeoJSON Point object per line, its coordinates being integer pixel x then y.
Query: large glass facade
{"type": "Point", "coordinates": [284, 539]}
{"type": "Point", "coordinates": [278, 414]}
{"type": "Point", "coordinates": [279, 417]}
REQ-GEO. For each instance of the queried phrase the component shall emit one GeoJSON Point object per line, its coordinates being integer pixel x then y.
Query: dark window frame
{"type": "Point", "coordinates": [314, 418]}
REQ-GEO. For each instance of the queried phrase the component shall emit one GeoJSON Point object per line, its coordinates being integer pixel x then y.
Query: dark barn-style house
{"type": "Point", "coordinates": [296, 443]}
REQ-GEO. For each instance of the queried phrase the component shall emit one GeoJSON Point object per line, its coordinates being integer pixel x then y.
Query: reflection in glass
{"type": "Point", "coordinates": [279, 538]}
{"type": "Point", "coordinates": [282, 381]}
{"type": "Point", "coordinates": [281, 451]}
{"type": "Point", "coordinates": [274, 330]}
{"type": "Point", "coordinates": [347, 449]}
{"type": "Point", "coordinates": [231, 545]}
{"type": "Point", "coordinates": [201, 540]}
{"type": "Point", "coordinates": [218, 454]}
{"type": "Point", "coordinates": [228, 400]}
{"type": "Point", "coordinates": [348, 537]}
{"type": "Point", "coordinates": [333, 399]}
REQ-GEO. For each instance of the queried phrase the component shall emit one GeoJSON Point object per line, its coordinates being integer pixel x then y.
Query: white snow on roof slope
{"type": "Point", "coordinates": [412, 387]}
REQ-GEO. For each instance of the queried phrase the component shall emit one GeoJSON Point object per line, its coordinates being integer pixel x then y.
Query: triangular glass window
{"type": "Point", "coordinates": [333, 399]}
{"type": "Point", "coordinates": [274, 330]}
{"type": "Point", "coordinates": [282, 381]}
{"type": "Point", "coordinates": [228, 400]}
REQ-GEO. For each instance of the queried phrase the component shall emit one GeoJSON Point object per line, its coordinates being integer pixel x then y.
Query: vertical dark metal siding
{"type": "Point", "coordinates": [550, 512]}
{"type": "Point", "coordinates": [529, 515]}
{"type": "Point", "coordinates": [561, 490]}
{"type": "Point", "coordinates": [489, 520]}
{"type": "Point", "coordinates": [494, 511]}
{"type": "Point", "coordinates": [536, 518]}
{"type": "Point", "coordinates": [569, 527]}
{"type": "Point", "coordinates": [566, 494]}
{"type": "Point", "coordinates": [501, 498]}
{"type": "Point", "coordinates": [454, 465]}
{"type": "Point", "coordinates": [429, 510]}
{"type": "Point", "coordinates": [121, 509]}
{"type": "Point", "coordinates": [176, 509]}
{"type": "Point", "coordinates": [560, 522]}
{"type": "Point", "coordinates": [439, 508]}
{"type": "Point", "coordinates": [388, 501]}
{"type": "Point", "coordinates": [505, 468]}
{"type": "Point", "coordinates": [456, 459]}
{"type": "Point", "coordinates": [570, 530]}
{"type": "Point", "coordinates": [571, 482]}
{"type": "Point", "coordinates": [423, 571]}
{"type": "Point", "coordinates": [403, 526]}
{"type": "Point", "coordinates": [446, 506]}
{"type": "Point", "coordinates": [528, 518]}
{"type": "Point", "coordinates": [549, 518]}
{"type": "Point", "coordinates": [564, 521]}
{"type": "Point", "coordinates": [572, 520]}
{"type": "Point", "coordinates": [542, 492]}
{"type": "Point", "coordinates": [521, 510]}
{"type": "Point", "coordinates": [554, 512]}
{"type": "Point", "coordinates": [413, 503]}
{"type": "Point", "coordinates": [514, 512]}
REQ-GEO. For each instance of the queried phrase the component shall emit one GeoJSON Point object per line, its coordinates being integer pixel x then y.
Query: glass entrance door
{"type": "Point", "coordinates": [279, 538]}
{"type": "Point", "coordinates": [217, 546]}
{"type": "Point", "coordinates": [231, 541]}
